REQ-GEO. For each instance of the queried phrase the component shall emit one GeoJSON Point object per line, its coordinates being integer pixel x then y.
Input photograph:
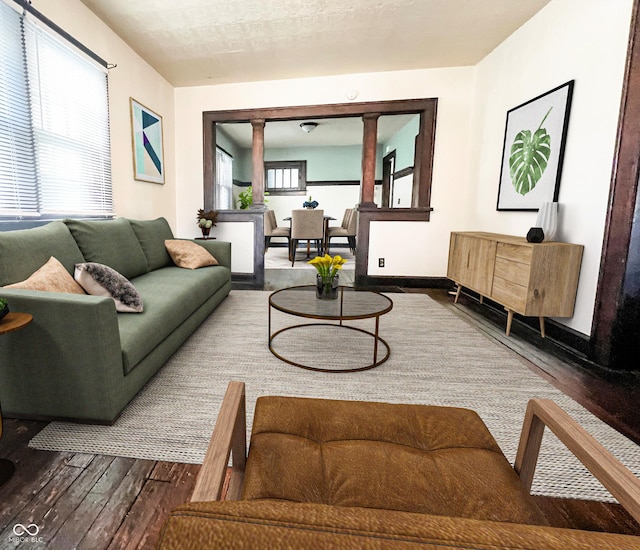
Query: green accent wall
{"type": "Point", "coordinates": [331, 163]}
{"type": "Point", "coordinates": [404, 144]}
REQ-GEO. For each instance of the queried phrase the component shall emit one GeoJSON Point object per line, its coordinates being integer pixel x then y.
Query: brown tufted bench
{"type": "Point", "coordinates": [356, 474]}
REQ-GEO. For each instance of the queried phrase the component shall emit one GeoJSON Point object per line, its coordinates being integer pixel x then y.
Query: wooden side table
{"type": "Point", "coordinates": [9, 323]}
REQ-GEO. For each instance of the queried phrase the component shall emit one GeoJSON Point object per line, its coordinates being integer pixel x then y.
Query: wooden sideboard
{"type": "Point", "coordinates": [531, 279]}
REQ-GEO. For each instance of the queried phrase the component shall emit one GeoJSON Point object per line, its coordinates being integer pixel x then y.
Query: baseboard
{"type": "Point", "coordinates": [367, 281]}
{"type": "Point", "coordinates": [246, 281]}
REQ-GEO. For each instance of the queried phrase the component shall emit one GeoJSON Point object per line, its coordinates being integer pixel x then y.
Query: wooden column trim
{"type": "Point", "coordinates": [423, 156]}
{"type": "Point", "coordinates": [209, 165]}
{"type": "Point", "coordinates": [622, 204]}
{"type": "Point", "coordinates": [386, 177]}
{"type": "Point", "coordinates": [257, 156]}
{"type": "Point", "coordinates": [369, 145]}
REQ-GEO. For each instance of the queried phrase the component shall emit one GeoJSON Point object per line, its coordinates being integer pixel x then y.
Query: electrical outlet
{"type": "Point", "coordinates": [380, 262]}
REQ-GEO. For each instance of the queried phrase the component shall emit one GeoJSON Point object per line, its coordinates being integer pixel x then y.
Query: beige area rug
{"type": "Point", "coordinates": [436, 359]}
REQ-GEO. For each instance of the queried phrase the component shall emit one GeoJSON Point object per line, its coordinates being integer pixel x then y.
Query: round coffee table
{"type": "Point", "coordinates": [351, 304]}
{"type": "Point", "coordinates": [9, 323]}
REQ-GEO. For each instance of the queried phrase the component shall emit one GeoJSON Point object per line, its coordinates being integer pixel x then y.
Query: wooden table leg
{"type": "Point", "coordinates": [509, 320]}
{"type": "Point", "coordinates": [542, 326]}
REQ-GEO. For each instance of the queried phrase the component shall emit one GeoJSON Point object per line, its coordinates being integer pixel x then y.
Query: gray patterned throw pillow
{"type": "Point", "coordinates": [101, 280]}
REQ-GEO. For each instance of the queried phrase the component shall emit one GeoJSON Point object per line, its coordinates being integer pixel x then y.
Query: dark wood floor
{"type": "Point", "coordinates": [86, 501]}
{"type": "Point", "coordinates": [95, 502]}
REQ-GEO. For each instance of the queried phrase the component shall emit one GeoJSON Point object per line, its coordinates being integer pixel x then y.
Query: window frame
{"type": "Point", "coordinates": [36, 40]}
{"type": "Point", "coordinates": [218, 187]}
{"type": "Point", "coordinates": [301, 165]}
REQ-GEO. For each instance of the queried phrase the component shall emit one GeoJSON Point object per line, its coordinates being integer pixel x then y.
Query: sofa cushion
{"type": "Point", "coordinates": [101, 280]}
{"type": "Point", "coordinates": [189, 255]}
{"type": "Point", "coordinates": [151, 235]}
{"type": "Point", "coordinates": [170, 296]}
{"type": "Point", "coordinates": [26, 250]}
{"type": "Point", "coordinates": [110, 242]}
{"type": "Point", "coordinates": [51, 277]}
{"type": "Point", "coordinates": [442, 460]}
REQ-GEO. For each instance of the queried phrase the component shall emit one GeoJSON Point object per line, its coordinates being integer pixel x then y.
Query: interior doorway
{"type": "Point", "coordinates": [366, 184]}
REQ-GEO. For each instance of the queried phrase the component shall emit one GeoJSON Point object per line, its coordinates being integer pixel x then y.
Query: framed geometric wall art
{"type": "Point", "coordinates": [148, 156]}
{"type": "Point", "coordinates": [533, 150]}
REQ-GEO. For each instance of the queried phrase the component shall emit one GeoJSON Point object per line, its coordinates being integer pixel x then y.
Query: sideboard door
{"type": "Point", "coordinates": [471, 262]}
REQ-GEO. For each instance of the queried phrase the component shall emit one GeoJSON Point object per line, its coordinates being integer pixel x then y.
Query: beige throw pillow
{"type": "Point", "coordinates": [51, 277]}
{"type": "Point", "coordinates": [189, 254]}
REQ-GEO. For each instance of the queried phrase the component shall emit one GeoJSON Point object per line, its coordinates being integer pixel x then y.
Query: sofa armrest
{"type": "Point", "coordinates": [615, 477]}
{"type": "Point", "coordinates": [221, 250]}
{"type": "Point", "coordinates": [229, 438]}
{"type": "Point", "coordinates": [65, 361]}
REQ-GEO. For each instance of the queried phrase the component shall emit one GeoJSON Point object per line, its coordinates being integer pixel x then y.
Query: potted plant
{"type": "Point", "coordinates": [206, 220]}
{"type": "Point", "coordinates": [245, 199]}
{"type": "Point", "coordinates": [4, 307]}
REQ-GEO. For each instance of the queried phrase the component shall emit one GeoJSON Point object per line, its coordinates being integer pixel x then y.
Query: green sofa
{"type": "Point", "coordinates": [79, 359]}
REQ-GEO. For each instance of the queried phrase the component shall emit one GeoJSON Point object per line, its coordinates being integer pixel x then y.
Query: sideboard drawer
{"type": "Point", "coordinates": [516, 272]}
{"type": "Point", "coordinates": [514, 252]}
{"type": "Point", "coordinates": [509, 294]}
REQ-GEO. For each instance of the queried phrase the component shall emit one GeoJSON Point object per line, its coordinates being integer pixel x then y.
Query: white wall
{"type": "Point", "coordinates": [133, 77]}
{"type": "Point", "coordinates": [581, 40]}
{"type": "Point", "coordinates": [240, 234]}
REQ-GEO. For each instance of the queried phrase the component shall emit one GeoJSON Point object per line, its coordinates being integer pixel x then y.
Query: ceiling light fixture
{"type": "Point", "coordinates": [308, 127]}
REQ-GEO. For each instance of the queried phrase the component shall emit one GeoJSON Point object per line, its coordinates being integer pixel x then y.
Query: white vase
{"type": "Point", "coordinates": [548, 219]}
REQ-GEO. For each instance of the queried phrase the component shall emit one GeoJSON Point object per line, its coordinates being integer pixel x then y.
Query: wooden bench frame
{"type": "Point", "coordinates": [229, 440]}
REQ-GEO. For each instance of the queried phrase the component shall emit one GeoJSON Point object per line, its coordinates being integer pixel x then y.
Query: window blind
{"type": "Point", "coordinates": [224, 183]}
{"type": "Point", "coordinates": [55, 157]}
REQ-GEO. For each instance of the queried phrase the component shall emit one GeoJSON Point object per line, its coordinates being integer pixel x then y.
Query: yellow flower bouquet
{"type": "Point", "coordinates": [327, 277]}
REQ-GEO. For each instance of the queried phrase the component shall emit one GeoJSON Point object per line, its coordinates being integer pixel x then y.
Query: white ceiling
{"type": "Point", "coordinates": [196, 42]}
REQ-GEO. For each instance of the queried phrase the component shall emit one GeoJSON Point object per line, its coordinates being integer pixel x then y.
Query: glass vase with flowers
{"type": "Point", "coordinates": [327, 276]}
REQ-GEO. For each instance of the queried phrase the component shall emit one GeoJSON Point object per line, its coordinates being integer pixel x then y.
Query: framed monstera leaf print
{"type": "Point", "coordinates": [533, 150]}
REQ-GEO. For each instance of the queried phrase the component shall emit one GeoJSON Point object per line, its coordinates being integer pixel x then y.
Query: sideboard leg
{"type": "Point", "coordinates": [542, 326]}
{"type": "Point", "coordinates": [509, 320]}
{"type": "Point", "coordinates": [455, 300]}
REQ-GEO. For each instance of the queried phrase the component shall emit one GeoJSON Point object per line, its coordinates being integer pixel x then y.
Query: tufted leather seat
{"type": "Point", "coordinates": [412, 458]}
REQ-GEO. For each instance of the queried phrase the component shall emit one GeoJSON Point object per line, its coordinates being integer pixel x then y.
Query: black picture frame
{"type": "Point", "coordinates": [533, 150]}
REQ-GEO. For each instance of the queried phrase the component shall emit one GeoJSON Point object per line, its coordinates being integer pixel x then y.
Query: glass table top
{"type": "Point", "coordinates": [351, 303]}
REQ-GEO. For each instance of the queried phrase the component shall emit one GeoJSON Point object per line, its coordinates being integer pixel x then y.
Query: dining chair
{"type": "Point", "coordinates": [306, 225]}
{"type": "Point", "coordinates": [272, 230]}
{"type": "Point", "coordinates": [347, 229]}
